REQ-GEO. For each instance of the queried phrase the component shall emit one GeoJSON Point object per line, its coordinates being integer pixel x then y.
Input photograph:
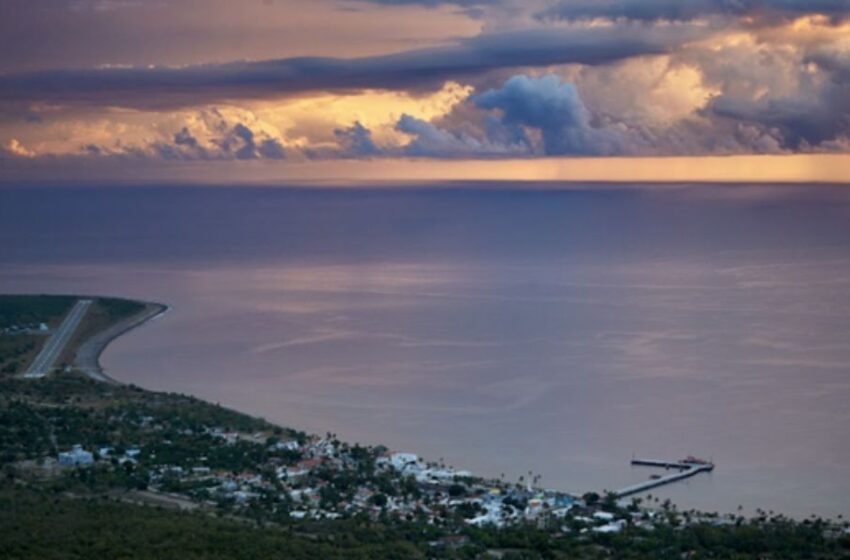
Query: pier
{"type": "Point", "coordinates": [684, 469]}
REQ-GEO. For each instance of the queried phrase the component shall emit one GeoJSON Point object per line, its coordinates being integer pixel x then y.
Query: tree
{"type": "Point", "coordinates": [456, 490]}
{"type": "Point", "coordinates": [591, 498]}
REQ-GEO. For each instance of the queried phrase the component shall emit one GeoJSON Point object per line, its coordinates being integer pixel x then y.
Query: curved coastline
{"type": "Point", "coordinates": [87, 357]}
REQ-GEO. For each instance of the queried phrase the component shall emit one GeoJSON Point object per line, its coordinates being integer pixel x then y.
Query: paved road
{"type": "Point", "coordinates": [46, 359]}
{"type": "Point", "coordinates": [87, 359]}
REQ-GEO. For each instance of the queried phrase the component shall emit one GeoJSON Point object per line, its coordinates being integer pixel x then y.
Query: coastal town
{"type": "Point", "coordinates": [323, 478]}
{"type": "Point", "coordinates": [75, 435]}
{"type": "Point", "coordinates": [281, 475]}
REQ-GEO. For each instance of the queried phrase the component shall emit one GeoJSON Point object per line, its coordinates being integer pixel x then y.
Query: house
{"type": "Point", "coordinates": [287, 445]}
{"type": "Point", "coordinates": [450, 541]}
{"type": "Point", "coordinates": [76, 456]}
{"type": "Point", "coordinates": [401, 461]}
{"type": "Point", "coordinates": [562, 501]}
{"type": "Point", "coordinates": [301, 468]}
{"type": "Point", "coordinates": [561, 512]}
{"type": "Point", "coordinates": [613, 527]}
{"type": "Point", "coordinates": [242, 496]}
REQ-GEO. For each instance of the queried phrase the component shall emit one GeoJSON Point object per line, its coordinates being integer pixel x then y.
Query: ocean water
{"type": "Point", "coordinates": [504, 328]}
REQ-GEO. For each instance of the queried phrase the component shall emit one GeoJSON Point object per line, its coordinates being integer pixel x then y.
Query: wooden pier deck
{"type": "Point", "coordinates": [684, 469]}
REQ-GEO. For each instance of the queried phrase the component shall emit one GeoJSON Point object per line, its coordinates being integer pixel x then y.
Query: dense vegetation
{"type": "Point", "coordinates": [20, 310]}
{"type": "Point", "coordinates": [16, 351]}
{"type": "Point", "coordinates": [36, 524]}
{"type": "Point", "coordinates": [17, 315]}
{"type": "Point", "coordinates": [44, 416]}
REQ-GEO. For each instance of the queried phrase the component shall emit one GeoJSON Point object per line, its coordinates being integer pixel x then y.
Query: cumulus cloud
{"type": "Point", "coordinates": [429, 140]}
{"type": "Point", "coordinates": [525, 116]}
{"type": "Point", "coordinates": [546, 115]}
{"type": "Point", "coordinates": [798, 94]}
{"type": "Point", "coordinates": [215, 133]}
{"type": "Point", "coordinates": [555, 109]}
{"type": "Point", "coordinates": [356, 141]}
{"type": "Point", "coordinates": [15, 148]}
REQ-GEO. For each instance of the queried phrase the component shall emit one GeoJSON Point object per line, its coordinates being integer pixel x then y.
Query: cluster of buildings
{"type": "Point", "coordinates": [27, 328]}
{"type": "Point", "coordinates": [77, 456]}
{"type": "Point", "coordinates": [323, 478]}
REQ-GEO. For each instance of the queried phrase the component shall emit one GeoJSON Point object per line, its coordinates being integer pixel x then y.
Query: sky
{"type": "Point", "coordinates": [271, 90]}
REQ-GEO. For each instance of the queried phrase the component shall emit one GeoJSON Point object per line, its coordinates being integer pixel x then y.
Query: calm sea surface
{"type": "Point", "coordinates": [501, 328]}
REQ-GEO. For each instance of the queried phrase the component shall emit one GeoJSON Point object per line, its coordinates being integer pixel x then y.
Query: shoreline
{"type": "Point", "coordinates": [87, 357]}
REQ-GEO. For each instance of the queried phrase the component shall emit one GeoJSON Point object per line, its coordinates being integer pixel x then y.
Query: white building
{"type": "Point", "coordinates": [613, 527]}
{"type": "Point", "coordinates": [401, 461]}
{"type": "Point", "coordinates": [76, 456]}
{"type": "Point", "coordinates": [288, 445]}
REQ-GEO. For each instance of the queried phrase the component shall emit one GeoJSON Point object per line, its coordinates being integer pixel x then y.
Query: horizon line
{"type": "Point", "coordinates": [725, 169]}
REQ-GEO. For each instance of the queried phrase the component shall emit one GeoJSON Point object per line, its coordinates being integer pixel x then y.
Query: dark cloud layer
{"type": "Point", "coordinates": [654, 10]}
{"type": "Point", "coordinates": [165, 86]}
{"type": "Point", "coordinates": [432, 3]}
{"type": "Point", "coordinates": [805, 121]}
